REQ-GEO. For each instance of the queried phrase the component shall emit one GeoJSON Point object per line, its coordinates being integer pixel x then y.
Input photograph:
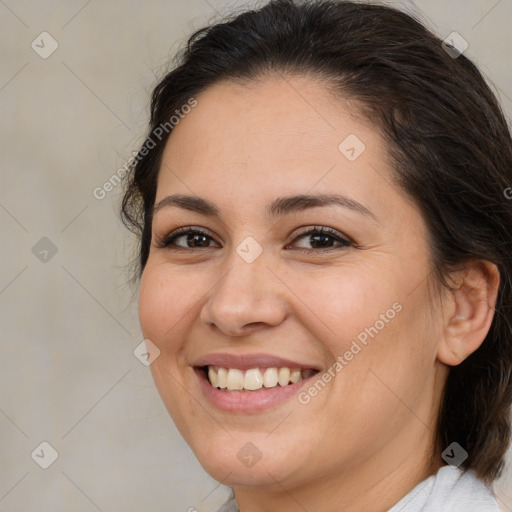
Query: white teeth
{"type": "Point", "coordinates": [284, 376]}
{"type": "Point", "coordinates": [295, 376]}
{"type": "Point", "coordinates": [235, 379]}
{"type": "Point", "coordinates": [222, 377]}
{"type": "Point", "coordinates": [254, 379]}
{"type": "Point", "coordinates": [212, 375]}
{"type": "Point", "coordinates": [270, 377]}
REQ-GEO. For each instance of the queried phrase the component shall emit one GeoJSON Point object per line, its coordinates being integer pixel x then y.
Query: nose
{"type": "Point", "coordinates": [247, 298]}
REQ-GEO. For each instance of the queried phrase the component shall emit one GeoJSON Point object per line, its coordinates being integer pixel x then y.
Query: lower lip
{"type": "Point", "coordinates": [248, 401]}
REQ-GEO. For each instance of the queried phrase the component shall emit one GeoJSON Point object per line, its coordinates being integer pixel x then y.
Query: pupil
{"type": "Point", "coordinates": [317, 237]}
{"type": "Point", "coordinates": [195, 238]}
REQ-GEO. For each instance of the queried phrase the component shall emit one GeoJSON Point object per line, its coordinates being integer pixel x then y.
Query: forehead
{"type": "Point", "coordinates": [239, 118]}
{"type": "Point", "coordinates": [275, 135]}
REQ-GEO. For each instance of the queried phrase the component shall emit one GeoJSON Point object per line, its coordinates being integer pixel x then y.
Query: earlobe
{"type": "Point", "coordinates": [472, 311]}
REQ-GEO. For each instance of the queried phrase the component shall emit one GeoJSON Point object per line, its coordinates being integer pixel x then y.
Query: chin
{"type": "Point", "coordinates": [226, 468]}
{"type": "Point", "coordinates": [243, 461]}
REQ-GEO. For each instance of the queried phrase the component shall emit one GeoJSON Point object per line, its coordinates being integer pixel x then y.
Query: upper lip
{"type": "Point", "coordinates": [247, 361]}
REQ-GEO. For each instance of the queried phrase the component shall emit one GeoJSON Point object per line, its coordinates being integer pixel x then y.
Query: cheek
{"type": "Point", "coordinates": [391, 373]}
{"type": "Point", "coordinates": [166, 304]}
{"type": "Point", "coordinates": [369, 324]}
{"type": "Point", "coordinates": [345, 302]}
{"type": "Point", "coordinates": [165, 299]}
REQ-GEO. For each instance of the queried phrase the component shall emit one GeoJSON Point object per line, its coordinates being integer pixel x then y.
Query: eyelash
{"type": "Point", "coordinates": [167, 241]}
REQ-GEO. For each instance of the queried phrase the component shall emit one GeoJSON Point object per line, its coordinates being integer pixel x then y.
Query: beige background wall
{"type": "Point", "coordinates": [68, 327]}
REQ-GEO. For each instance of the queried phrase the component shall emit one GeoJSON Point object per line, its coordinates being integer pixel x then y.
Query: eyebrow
{"type": "Point", "coordinates": [278, 208]}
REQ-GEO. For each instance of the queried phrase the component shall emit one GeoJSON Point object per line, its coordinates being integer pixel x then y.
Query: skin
{"type": "Point", "coordinates": [366, 439]}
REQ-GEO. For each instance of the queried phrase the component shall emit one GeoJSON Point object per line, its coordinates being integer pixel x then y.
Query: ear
{"type": "Point", "coordinates": [469, 312]}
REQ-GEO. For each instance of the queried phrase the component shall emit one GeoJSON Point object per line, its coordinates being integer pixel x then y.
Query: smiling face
{"type": "Point", "coordinates": [257, 289]}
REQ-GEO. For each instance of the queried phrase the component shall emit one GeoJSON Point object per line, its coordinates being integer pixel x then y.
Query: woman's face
{"type": "Point", "coordinates": [257, 292]}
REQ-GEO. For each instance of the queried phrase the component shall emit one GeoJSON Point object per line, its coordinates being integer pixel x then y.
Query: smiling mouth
{"type": "Point", "coordinates": [254, 379]}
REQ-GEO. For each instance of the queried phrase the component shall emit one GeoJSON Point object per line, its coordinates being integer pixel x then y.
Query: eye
{"type": "Point", "coordinates": [193, 238]}
{"type": "Point", "coordinates": [323, 238]}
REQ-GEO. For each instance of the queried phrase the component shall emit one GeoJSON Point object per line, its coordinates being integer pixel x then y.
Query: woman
{"type": "Point", "coordinates": [325, 261]}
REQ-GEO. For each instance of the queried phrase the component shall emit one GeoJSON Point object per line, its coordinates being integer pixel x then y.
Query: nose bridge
{"type": "Point", "coordinates": [245, 284]}
{"type": "Point", "coordinates": [248, 293]}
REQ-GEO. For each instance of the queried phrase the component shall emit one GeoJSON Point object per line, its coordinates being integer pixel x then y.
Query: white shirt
{"type": "Point", "coordinates": [449, 490]}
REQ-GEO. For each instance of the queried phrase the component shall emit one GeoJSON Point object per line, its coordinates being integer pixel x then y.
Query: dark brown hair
{"type": "Point", "coordinates": [447, 137]}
